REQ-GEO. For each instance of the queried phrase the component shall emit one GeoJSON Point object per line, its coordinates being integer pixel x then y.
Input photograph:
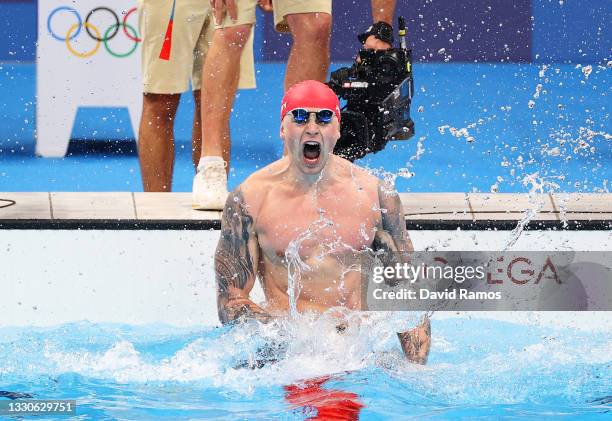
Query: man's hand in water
{"type": "Point", "coordinates": [416, 342]}
{"type": "Point", "coordinates": [243, 308]}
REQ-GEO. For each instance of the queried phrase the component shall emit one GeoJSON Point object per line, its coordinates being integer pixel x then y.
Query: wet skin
{"type": "Point", "coordinates": [326, 209]}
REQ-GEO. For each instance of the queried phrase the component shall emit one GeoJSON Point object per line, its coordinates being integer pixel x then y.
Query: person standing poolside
{"type": "Point", "coordinates": [309, 23]}
{"type": "Point", "coordinates": [327, 209]}
{"type": "Point", "coordinates": [165, 80]}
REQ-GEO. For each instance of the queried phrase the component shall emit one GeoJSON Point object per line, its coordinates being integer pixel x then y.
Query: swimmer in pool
{"type": "Point", "coordinates": [336, 208]}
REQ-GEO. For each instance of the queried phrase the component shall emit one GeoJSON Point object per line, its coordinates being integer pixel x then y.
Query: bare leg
{"type": "Point", "coordinates": [219, 84]}
{"type": "Point", "coordinates": [156, 141]}
{"type": "Point", "coordinates": [196, 131]}
{"type": "Point", "coordinates": [416, 342]}
{"type": "Point", "coordinates": [383, 10]}
{"type": "Point", "coordinates": [309, 57]}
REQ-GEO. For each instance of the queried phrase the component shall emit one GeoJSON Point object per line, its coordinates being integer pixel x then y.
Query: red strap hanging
{"type": "Point", "coordinates": [164, 54]}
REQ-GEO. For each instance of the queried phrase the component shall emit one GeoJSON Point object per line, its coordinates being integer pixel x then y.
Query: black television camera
{"type": "Point", "coordinates": [378, 91]}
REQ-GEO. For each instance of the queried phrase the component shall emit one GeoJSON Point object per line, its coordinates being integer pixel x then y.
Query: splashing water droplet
{"type": "Point", "coordinates": [586, 71]}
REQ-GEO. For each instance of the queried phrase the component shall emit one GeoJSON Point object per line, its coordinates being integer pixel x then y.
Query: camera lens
{"type": "Point", "coordinates": [387, 65]}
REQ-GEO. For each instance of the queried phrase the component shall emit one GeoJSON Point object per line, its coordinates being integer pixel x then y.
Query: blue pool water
{"type": "Point", "coordinates": [477, 368]}
{"type": "Point", "coordinates": [562, 135]}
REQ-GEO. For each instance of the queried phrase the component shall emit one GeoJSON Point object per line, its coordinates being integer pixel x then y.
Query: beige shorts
{"type": "Point", "coordinates": [191, 36]}
{"type": "Point", "coordinates": [282, 8]}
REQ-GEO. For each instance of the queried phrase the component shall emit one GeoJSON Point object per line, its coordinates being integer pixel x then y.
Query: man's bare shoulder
{"type": "Point", "coordinates": [253, 190]}
{"type": "Point", "coordinates": [268, 174]}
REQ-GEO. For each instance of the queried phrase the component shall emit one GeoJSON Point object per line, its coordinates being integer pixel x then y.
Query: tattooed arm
{"type": "Point", "coordinates": [236, 262]}
{"type": "Point", "coordinates": [392, 239]}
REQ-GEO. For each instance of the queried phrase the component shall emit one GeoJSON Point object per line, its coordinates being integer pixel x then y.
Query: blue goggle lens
{"type": "Point", "coordinates": [301, 116]}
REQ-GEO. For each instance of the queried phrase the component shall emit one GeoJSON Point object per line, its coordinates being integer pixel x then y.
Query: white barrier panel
{"type": "Point", "coordinates": [88, 55]}
{"type": "Point", "coordinates": [59, 276]}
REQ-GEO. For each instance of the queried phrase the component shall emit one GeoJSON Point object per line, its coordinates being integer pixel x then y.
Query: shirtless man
{"type": "Point", "coordinates": [332, 210]}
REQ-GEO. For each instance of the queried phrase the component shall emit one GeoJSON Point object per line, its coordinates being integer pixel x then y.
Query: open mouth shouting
{"type": "Point", "coordinates": [312, 152]}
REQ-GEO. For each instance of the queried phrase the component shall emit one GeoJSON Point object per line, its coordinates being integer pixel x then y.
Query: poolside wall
{"type": "Point", "coordinates": [491, 31]}
{"type": "Point", "coordinates": [52, 277]}
{"type": "Point", "coordinates": [148, 257]}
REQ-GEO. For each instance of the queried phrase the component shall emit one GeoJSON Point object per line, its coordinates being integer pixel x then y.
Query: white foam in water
{"type": "Point", "coordinates": [313, 348]}
{"type": "Point", "coordinates": [124, 364]}
{"type": "Point", "coordinates": [475, 362]}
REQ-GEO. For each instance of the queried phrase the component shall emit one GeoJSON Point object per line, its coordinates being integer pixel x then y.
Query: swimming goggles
{"type": "Point", "coordinates": [302, 115]}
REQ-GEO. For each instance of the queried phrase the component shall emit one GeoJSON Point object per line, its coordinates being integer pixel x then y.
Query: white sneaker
{"type": "Point", "coordinates": [210, 187]}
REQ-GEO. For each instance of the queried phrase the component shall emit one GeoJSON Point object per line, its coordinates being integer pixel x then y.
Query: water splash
{"type": "Point", "coordinates": [525, 363]}
{"type": "Point", "coordinates": [295, 264]}
{"type": "Point", "coordinates": [539, 188]}
{"type": "Point", "coordinates": [464, 132]}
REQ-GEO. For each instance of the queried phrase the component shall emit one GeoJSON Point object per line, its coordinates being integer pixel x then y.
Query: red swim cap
{"type": "Point", "coordinates": [310, 94]}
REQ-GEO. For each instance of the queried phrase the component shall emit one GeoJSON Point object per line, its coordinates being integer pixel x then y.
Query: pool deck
{"type": "Point", "coordinates": [127, 210]}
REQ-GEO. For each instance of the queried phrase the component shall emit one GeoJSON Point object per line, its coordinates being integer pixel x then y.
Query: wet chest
{"type": "Point", "coordinates": [329, 226]}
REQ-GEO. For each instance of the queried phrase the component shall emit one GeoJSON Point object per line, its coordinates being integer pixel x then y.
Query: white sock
{"type": "Point", "coordinates": [211, 160]}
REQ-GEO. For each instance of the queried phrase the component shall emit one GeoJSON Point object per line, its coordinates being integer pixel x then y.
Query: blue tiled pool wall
{"type": "Point", "coordinates": [471, 30]}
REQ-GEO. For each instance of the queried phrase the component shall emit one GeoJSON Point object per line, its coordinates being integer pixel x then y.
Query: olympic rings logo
{"type": "Point", "coordinates": [94, 32]}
